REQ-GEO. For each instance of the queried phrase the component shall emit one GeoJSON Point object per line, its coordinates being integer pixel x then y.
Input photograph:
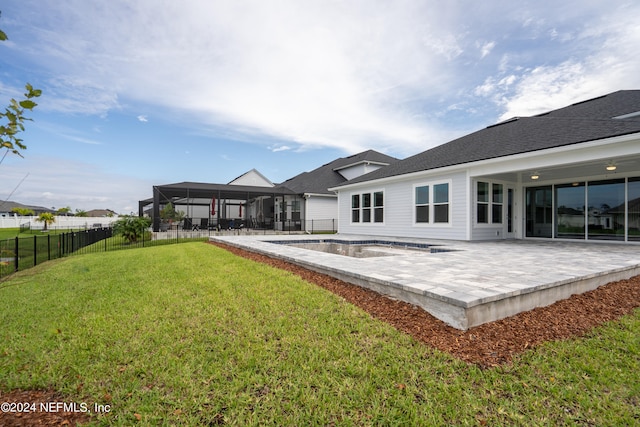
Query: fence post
{"type": "Point", "coordinates": [35, 250]}
{"type": "Point", "coordinates": [49, 247]}
{"type": "Point", "coordinates": [16, 264]}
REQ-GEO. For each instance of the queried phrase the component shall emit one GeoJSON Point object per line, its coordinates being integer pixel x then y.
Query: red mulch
{"type": "Point", "coordinates": [490, 344]}
{"type": "Point", "coordinates": [486, 345]}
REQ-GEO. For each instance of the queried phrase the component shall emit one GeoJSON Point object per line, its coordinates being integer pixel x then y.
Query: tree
{"type": "Point", "coordinates": [23, 211]}
{"type": "Point", "coordinates": [13, 118]}
{"type": "Point", "coordinates": [64, 211]}
{"type": "Point", "coordinates": [168, 213]}
{"type": "Point", "coordinates": [48, 218]}
{"type": "Point", "coordinates": [131, 227]}
{"type": "Point", "coordinates": [81, 213]}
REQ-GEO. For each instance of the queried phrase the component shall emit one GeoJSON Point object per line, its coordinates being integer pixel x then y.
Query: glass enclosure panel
{"type": "Point", "coordinates": [570, 212]}
{"type": "Point", "coordinates": [539, 212]}
{"type": "Point", "coordinates": [633, 218]}
{"type": "Point", "coordinates": [606, 213]}
{"type": "Point", "coordinates": [422, 195]}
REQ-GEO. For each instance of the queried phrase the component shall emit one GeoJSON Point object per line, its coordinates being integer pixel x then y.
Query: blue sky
{"type": "Point", "coordinates": [137, 93]}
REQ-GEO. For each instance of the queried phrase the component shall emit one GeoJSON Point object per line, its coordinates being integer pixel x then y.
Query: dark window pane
{"type": "Point", "coordinates": [366, 200]}
{"type": "Point", "coordinates": [422, 213]}
{"type": "Point", "coordinates": [366, 215]}
{"type": "Point", "coordinates": [441, 213]}
{"type": "Point", "coordinates": [483, 191]}
{"type": "Point", "coordinates": [355, 215]}
{"type": "Point", "coordinates": [378, 215]}
{"type": "Point", "coordinates": [497, 193]}
{"type": "Point", "coordinates": [378, 199]}
{"type": "Point", "coordinates": [496, 212]}
{"type": "Point", "coordinates": [355, 201]}
{"type": "Point", "coordinates": [483, 213]}
{"type": "Point", "coordinates": [538, 211]}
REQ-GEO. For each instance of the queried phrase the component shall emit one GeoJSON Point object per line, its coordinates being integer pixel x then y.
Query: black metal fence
{"type": "Point", "coordinates": [21, 253]}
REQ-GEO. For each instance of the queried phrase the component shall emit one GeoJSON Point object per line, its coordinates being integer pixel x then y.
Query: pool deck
{"type": "Point", "coordinates": [473, 283]}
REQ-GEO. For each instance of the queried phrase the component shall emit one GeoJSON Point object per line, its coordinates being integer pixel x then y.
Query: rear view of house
{"type": "Point", "coordinates": [571, 173]}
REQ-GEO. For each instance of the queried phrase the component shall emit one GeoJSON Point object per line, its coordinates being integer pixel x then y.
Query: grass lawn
{"type": "Point", "coordinates": [191, 335]}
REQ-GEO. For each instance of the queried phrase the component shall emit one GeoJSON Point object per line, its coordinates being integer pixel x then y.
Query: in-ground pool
{"type": "Point", "coordinates": [359, 248]}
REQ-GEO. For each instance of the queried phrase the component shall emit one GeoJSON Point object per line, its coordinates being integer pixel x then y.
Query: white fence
{"type": "Point", "coordinates": [61, 222]}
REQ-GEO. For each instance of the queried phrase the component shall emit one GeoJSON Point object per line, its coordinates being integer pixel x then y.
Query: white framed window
{"type": "Point", "coordinates": [432, 203]}
{"type": "Point", "coordinates": [367, 207]}
{"type": "Point", "coordinates": [489, 202]}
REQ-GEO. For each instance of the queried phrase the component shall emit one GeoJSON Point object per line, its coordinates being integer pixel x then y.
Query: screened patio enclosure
{"type": "Point", "coordinates": [224, 206]}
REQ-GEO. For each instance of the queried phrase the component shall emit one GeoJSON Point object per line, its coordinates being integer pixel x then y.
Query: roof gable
{"type": "Point", "coordinates": [252, 178]}
{"type": "Point", "coordinates": [319, 180]}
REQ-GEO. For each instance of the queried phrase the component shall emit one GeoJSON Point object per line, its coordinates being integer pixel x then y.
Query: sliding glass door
{"type": "Point", "coordinates": [633, 195]}
{"type": "Point", "coordinates": [592, 210]}
{"type": "Point", "coordinates": [570, 203]}
{"type": "Point", "coordinates": [606, 213]}
{"type": "Point", "coordinates": [539, 211]}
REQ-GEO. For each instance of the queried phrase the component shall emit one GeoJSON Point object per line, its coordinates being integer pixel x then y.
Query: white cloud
{"type": "Point", "coordinates": [604, 65]}
{"type": "Point", "coordinates": [318, 74]}
{"type": "Point", "coordinates": [79, 185]}
{"type": "Point", "coordinates": [279, 148]}
{"type": "Point", "coordinates": [143, 118]}
{"type": "Point", "coordinates": [486, 48]}
{"type": "Point", "coordinates": [348, 75]}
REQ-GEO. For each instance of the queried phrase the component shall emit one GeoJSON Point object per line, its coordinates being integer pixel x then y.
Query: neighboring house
{"type": "Point", "coordinates": [101, 213]}
{"type": "Point", "coordinates": [6, 208]}
{"type": "Point", "coordinates": [252, 178]}
{"type": "Point", "coordinates": [546, 176]}
{"type": "Point", "coordinates": [252, 201]}
{"type": "Point", "coordinates": [319, 206]}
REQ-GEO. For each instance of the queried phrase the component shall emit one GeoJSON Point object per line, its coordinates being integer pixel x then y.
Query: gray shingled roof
{"type": "Point", "coordinates": [320, 179]}
{"type": "Point", "coordinates": [581, 122]}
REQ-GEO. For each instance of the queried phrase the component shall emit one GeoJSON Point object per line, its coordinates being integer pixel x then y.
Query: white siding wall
{"type": "Point", "coordinates": [358, 170]}
{"type": "Point", "coordinates": [399, 210]}
{"type": "Point", "coordinates": [321, 208]}
{"type": "Point", "coordinates": [61, 222]}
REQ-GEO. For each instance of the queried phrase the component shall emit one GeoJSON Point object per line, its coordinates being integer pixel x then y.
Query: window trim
{"type": "Point", "coordinates": [431, 204]}
{"type": "Point", "coordinates": [489, 204]}
{"type": "Point", "coordinates": [372, 207]}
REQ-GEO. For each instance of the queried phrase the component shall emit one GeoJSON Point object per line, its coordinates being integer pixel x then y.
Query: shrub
{"type": "Point", "coordinates": [131, 228]}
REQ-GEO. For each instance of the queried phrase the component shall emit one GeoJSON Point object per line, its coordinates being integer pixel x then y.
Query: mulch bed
{"type": "Point", "coordinates": [487, 345]}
